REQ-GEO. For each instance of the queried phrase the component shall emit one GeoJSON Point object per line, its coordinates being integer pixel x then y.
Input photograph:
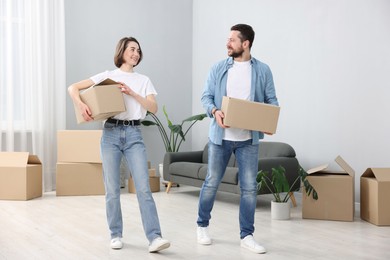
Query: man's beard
{"type": "Point", "coordinates": [236, 54]}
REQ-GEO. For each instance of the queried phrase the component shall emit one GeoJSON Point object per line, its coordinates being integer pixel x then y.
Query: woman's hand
{"type": "Point", "coordinates": [148, 102]}
{"type": "Point", "coordinates": [126, 89]}
{"type": "Point", "coordinates": [74, 92]}
{"type": "Point", "coordinates": [85, 111]}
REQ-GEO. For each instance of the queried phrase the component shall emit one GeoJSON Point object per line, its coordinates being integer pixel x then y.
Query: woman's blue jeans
{"type": "Point", "coordinates": [118, 141]}
{"type": "Point", "coordinates": [247, 160]}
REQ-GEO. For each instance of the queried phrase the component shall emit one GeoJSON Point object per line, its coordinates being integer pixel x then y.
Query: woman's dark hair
{"type": "Point", "coordinates": [120, 49]}
{"type": "Point", "coordinates": [246, 33]}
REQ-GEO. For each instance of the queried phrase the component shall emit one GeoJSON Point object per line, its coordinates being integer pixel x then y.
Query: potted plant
{"type": "Point", "coordinates": [176, 135]}
{"type": "Point", "coordinates": [277, 184]}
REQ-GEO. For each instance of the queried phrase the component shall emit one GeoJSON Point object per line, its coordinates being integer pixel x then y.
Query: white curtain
{"type": "Point", "coordinates": [32, 79]}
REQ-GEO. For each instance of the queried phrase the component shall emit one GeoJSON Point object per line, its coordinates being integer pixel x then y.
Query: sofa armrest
{"type": "Point", "coordinates": [275, 149]}
{"type": "Point", "coordinates": [171, 157]}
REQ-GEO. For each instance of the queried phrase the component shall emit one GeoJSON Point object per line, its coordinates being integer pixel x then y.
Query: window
{"type": "Point", "coordinates": [14, 66]}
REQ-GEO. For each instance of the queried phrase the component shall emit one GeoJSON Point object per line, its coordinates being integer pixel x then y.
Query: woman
{"type": "Point", "coordinates": [122, 137]}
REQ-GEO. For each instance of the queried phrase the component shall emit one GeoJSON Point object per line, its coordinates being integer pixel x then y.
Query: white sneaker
{"type": "Point", "coordinates": [249, 243]}
{"type": "Point", "coordinates": [158, 244]}
{"type": "Point", "coordinates": [116, 243]}
{"type": "Point", "coordinates": [203, 236]}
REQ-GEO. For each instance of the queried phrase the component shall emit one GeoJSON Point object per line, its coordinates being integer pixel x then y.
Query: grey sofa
{"type": "Point", "coordinates": [190, 168]}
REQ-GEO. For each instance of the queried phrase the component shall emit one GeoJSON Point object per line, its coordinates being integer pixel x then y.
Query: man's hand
{"type": "Point", "coordinates": [219, 116]}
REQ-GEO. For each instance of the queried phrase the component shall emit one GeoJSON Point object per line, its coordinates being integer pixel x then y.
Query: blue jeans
{"type": "Point", "coordinates": [118, 141]}
{"type": "Point", "coordinates": [247, 160]}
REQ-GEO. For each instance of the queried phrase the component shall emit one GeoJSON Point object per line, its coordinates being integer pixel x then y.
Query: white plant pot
{"type": "Point", "coordinates": [280, 210]}
{"type": "Point", "coordinates": [161, 171]}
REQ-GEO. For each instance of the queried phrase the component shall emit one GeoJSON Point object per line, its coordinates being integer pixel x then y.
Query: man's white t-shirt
{"type": "Point", "coordinates": [139, 83]}
{"type": "Point", "coordinates": [238, 86]}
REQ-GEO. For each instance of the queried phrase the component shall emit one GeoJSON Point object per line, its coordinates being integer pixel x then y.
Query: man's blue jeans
{"type": "Point", "coordinates": [247, 160]}
{"type": "Point", "coordinates": [118, 141]}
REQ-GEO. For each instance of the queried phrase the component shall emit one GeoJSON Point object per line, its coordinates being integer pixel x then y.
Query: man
{"type": "Point", "coordinates": [244, 77]}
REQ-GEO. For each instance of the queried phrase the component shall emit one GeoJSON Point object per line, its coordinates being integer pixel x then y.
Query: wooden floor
{"type": "Point", "coordinates": [54, 227]}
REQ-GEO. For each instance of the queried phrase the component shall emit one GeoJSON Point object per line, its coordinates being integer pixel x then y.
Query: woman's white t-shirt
{"type": "Point", "coordinates": [139, 83]}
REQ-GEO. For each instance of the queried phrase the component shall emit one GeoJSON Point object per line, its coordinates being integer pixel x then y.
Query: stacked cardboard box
{"type": "Point", "coordinates": [374, 193]}
{"type": "Point", "coordinates": [20, 176]}
{"type": "Point", "coordinates": [79, 166]}
{"type": "Point", "coordinates": [336, 195]}
{"type": "Point", "coordinates": [154, 181]}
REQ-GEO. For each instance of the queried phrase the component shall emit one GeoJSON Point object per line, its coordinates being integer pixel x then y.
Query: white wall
{"type": "Point", "coordinates": [330, 61]}
{"type": "Point", "coordinates": [164, 30]}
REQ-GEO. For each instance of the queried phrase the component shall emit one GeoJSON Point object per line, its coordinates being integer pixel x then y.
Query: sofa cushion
{"type": "Point", "coordinates": [187, 169]}
{"type": "Point", "coordinates": [205, 155]}
{"type": "Point", "coordinates": [230, 177]}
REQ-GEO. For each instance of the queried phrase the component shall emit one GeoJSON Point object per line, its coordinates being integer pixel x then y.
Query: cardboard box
{"type": "Point", "coordinates": [104, 99]}
{"type": "Point", "coordinates": [250, 115]}
{"type": "Point", "coordinates": [20, 176]}
{"type": "Point", "coordinates": [336, 195]}
{"type": "Point", "coordinates": [79, 146]}
{"type": "Point", "coordinates": [154, 182]}
{"type": "Point", "coordinates": [79, 179]}
{"type": "Point", "coordinates": [374, 195]}
{"type": "Point", "coordinates": [152, 172]}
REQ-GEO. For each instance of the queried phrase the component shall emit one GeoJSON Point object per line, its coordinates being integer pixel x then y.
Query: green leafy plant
{"type": "Point", "coordinates": [278, 184]}
{"type": "Point", "coordinates": [177, 133]}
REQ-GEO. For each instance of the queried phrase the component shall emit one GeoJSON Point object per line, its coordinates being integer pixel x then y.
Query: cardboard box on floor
{"type": "Point", "coordinates": [20, 176]}
{"type": "Point", "coordinates": [374, 196]}
{"type": "Point", "coordinates": [154, 182]}
{"type": "Point", "coordinates": [79, 179]}
{"type": "Point", "coordinates": [79, 146]}
{"type": "Point", "coordinates": [336, 195]}
{"type": "Point", "coordinates": [104, 99]}
{"type": "Point", "coordinates": [250, 115]}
